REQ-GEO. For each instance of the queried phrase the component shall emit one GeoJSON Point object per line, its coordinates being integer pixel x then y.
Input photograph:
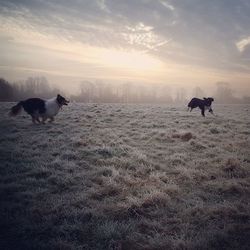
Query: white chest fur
{"type": "Point", "coordinates": [52, 107]}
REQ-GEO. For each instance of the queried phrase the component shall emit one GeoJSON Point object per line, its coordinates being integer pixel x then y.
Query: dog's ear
{"type": "Point", "coordinates": [204, 98]}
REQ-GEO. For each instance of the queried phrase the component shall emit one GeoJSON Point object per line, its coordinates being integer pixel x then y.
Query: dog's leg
{"type": "Point", "coordinates": [38, 120]}
{"type": "Point", "coordinates": [211, 111]}
{"type": "Point", "coordinates": [51, 119]}
{"type": "Point", "coordinates": [44, 118]}
{"type": "Point", "coordinates": [33, 119]}
{"type": "Point", "coordinates": [203, 112]}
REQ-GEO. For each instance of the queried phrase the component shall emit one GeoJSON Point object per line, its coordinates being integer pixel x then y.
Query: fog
{"type": "Point", "coordinates": [127, 92]}
{"type": "Point", "coordinates": [154, 46]}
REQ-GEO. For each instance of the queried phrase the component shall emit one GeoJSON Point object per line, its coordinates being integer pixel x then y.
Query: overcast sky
{"type": "Point", "coordinates": [186, 42]}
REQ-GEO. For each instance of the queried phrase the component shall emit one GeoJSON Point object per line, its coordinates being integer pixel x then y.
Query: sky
{"type": "Point", "coordinates": [175, 42]}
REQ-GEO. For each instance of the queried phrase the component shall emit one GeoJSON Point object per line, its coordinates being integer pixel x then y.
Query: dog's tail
{"type": "Point", "coordinates": [15, 110]}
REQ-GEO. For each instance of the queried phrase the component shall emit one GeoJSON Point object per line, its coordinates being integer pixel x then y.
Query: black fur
{"type": "Point", "coordinates": [61, 100]}
{"type": "Point", "coordinates": [33, 106]}
{"type": "Point", "coordinates": [202, 104]}
{"type": "Point", "coordinates": [36, 108]}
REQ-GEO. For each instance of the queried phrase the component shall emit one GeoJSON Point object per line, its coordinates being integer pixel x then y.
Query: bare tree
{"type": "Point", "coordinates": [87, 91]}
{"type": "Point", "coordinates": [181, 95]}
{"type": "Point", "coordinates": [224, 93]}
{"type": "Point", "coordinates": [198, 92]}
{"type": "Point", "coordinates": [126, 92]}
{"type": "Point", "coordinates": [6, 90]}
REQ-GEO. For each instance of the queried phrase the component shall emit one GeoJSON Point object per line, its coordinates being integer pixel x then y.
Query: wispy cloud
{"type": "Point", "coordinates": [73, 34]}
{"type": "Point", "coordinates": [167, 5]}
{"type": "Point", "coordinates": [143, 37]}
{"type": "Point", "coordinates": [243, 44]}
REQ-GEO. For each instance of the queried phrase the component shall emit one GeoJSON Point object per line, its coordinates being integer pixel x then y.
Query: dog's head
{"type": "Point", "coordinates": [61, 100]}
{"type": "Point", "coordinates": [208, 101]}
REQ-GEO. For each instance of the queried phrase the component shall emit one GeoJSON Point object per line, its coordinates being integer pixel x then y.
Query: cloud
{"type": "Point", "coordinates": [243, 44]}
{"type": "Point", "coordinates": [102, 4]}
{"type": "Point", "coordinates": [143, 37]}
{"type": "Point", "coordinates": [167, 5]}
{"type": "Point", "coordinates": [192, 33]}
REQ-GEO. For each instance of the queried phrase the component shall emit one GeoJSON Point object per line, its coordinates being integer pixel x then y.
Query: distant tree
{"type": "Point", "coordinates": [198, 92]}
{"type": "Point", "coordinates": [126, 92]}
{"type": "Point", "coordinates": [224, 93]}
{"type": "Point", "coordinates": [6, 91]}
{"type": "Point", "coordinates": [164, 94]}
{"type": "Point", "coordinates": [37, 86]}
{"type": "Point", "coordinates": [101, 92]}
{"type": "Point", "coordinates": [32, 87]}
{"type": "Point", "coordinates": [86, 91]}
{"type": "Point", "coordinates": [180, 95]}
{"type": "Point", "coordinates": [246, 99]}
{"type": "Point", "coordinates": [107, 94]}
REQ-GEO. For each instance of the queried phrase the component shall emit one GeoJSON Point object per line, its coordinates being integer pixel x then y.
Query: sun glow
{"type": "Point", "coordinates": [53, 57]}
{"type": "Point", "coordinates": [130, 60]}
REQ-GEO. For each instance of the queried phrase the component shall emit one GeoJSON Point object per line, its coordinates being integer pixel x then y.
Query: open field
{"type": "Point", "coordinates": [112, 176]}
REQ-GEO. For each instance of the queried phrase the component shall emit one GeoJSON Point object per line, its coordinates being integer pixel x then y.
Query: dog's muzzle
{"type": "Point", "coordinates": [66, 102]}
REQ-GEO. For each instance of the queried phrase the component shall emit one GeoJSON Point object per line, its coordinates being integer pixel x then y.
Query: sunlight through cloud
{"type": "Point", "coordinates": [243, 44]}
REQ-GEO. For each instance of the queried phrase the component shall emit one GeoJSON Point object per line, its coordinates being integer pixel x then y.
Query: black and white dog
{"type": "Point", "coordinates": [204, 104]}
{"type": "Point", "coordinates": [39, 108]}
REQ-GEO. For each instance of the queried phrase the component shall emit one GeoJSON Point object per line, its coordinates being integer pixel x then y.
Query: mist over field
{"type": "Point", "coordinates": [101, 92]}
{"type": "Point", "coordinates": [175, 43]}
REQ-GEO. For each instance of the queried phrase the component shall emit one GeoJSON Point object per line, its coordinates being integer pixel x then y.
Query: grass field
{"type": "Point", "coordinates": [113, 176]}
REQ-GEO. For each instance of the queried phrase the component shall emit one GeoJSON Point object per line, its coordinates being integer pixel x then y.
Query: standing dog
{"type": "Point", "coordinates": [36, 108]}
{"type": "Point", "coordinates": [202, 104]}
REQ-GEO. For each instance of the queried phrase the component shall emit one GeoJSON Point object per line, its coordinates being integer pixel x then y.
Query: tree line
{"type": "Point", "coordinates": [100, 92]}
{"type": "Point", "coordinates": [31, 87]}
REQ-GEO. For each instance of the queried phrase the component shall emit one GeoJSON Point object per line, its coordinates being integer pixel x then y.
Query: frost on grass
{"type": "Point", "coordinates": [115, 176]}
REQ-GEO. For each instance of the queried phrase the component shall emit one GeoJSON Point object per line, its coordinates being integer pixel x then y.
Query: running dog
{"type": "Point", "coordinates": [202, 104]}
{"type": "Point", "coordinates": [39, 108]}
